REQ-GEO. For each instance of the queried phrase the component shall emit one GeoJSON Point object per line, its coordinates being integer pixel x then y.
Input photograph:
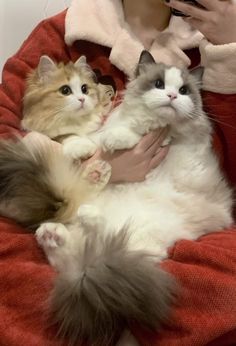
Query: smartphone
{"type": "Point", "coordinates": [190, 2]}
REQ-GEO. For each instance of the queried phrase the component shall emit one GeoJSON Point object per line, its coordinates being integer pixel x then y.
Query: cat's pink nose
{"type": "Point", "coordinates": [81, 99]}
{"type": "Point", "coordinates": [172, 96]}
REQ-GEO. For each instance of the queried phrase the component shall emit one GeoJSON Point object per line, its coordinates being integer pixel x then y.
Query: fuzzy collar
{"type": "Point", "coordinates": [103, 22]}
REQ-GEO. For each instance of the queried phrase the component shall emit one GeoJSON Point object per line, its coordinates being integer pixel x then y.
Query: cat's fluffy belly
{"type": "Point", "coordinates": [174, 203]}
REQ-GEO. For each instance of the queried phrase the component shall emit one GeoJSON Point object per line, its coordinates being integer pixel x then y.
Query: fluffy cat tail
{"type": "Point", "coordinates": [112, 288]}
{"type": "Point", "coordinates": [37, 183]}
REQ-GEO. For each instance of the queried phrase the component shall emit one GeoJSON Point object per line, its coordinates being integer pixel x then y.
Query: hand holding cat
{"type": "Point", "coordinates": [217, 22]}
{"type": "Point", "coordinates": [134, 164]}
{"type": "Point", "coordinates": [127, 165]}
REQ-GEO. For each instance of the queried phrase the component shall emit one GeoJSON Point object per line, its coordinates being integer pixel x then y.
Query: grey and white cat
{"type": "Point", "coordinates": [185, 197]}
{"type": "Point", "coordinates": [106, 254]}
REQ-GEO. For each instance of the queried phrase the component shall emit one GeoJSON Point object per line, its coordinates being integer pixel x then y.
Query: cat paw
{"type": "Point", "coordinates": [51, 235]}
{"type": "Point", "coordinates": [97, 172]}
{"type": "Point", "coordinates": [90, 217]}
{"type": "Point", "coordinates": [118, 139]}
{"type": "Point", "coordinates": [79, 148]}
{"type": "Point", "coordinates": [166, 141]}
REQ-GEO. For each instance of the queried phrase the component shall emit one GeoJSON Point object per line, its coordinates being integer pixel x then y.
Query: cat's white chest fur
{"type": "Point", "coordinates": [176, 201]}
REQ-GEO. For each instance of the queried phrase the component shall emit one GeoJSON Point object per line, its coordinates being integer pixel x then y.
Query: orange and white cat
{"type": "Point", "coordinates": [64, 101]}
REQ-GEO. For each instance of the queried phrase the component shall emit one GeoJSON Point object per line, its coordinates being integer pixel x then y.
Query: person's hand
{"type": "Point", "coordinates": [217, 22]}
{"type": "Point", "coordinates": [133, 165]}
{"type": "Point", "coordinates": [127, 165]}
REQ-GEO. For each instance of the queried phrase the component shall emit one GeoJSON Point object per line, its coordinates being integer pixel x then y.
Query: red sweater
{"type": "Point", "coordinates": [206, 269]}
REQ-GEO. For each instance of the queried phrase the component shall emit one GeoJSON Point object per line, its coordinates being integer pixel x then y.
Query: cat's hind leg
{"type": "Point", "coordinates": [97, 173]}
{"type": "Point", "coordinates": [55, 240]}
{"type": "Point", "coordinates": [91, 219]}
{"type": "Point", "coordinates": [51, 235]}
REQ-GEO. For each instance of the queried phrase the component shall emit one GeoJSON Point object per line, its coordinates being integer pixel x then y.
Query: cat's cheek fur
{"type": "Point", "coordinates": [155, 98]}
{"type": "Point", "coordinates": [90, 103]}
{"type": "Point", "coordinates": [184, 106]}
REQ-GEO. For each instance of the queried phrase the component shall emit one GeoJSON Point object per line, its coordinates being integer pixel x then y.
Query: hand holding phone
{"type": "Point", "coordinates": [215, 19]}
{"type": "Point", "coordinates": [189, 2]}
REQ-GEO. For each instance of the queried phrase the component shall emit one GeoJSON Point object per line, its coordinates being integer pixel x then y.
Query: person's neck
{"type": "Point", "coordinates": [146, 18]}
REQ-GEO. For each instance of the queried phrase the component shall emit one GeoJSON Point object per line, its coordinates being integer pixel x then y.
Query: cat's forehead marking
{"type": "Point", "coordinates": [173, 77]}
{"type": "Point", "coordinates": [75, 83]}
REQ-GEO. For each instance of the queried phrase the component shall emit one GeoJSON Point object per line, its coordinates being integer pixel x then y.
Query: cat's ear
{"type": "Point", "coordinates": [197, 73]}
{"type": "Point", "coordinates": [82, 61]}
{"type": "Point", "coordinates": [145, 59]}
{"type": "Point", "coordinates": [45, 67]}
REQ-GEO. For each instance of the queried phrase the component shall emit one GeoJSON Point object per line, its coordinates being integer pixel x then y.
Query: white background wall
{"type": "Point", "coordinates": [18, 18]}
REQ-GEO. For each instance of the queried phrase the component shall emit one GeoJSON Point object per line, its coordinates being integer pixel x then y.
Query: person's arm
{"type": "Point", "coordinates": [218, 56]}
{"type": "Point", "coordinates": [217, 22]}
{"type": "Point", "coordinates": [47, 38]}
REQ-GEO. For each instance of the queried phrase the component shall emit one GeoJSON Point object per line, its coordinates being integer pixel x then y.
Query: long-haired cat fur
{"type": "Point", "coordinates": [64, 101]}
{"type": "Point", "coordinates": [106, 256]}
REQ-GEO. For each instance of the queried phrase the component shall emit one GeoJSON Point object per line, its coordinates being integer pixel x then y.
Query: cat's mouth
{"type": "Point", "coordinates": [167, 114]}
{"type": "Point", "coordinates": [169, 108]}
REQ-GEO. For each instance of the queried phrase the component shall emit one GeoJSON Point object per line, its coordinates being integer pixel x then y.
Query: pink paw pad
{"type": "Point", "coordinates": [94, 176]}
{"type": "Point", "coordinates": [51, 235]}
{"type": "Point", "coordinates": [52, 238]}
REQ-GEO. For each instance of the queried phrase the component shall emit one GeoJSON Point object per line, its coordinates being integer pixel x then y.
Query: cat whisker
{"type": "Point", "coordinates": [212, 118]}
{"type": "Point", "coordinates": [184, 112]}
{"type": "Point", "coordinates": [219, 115]}
{"type": "Point", "coordinates": [221, 122]}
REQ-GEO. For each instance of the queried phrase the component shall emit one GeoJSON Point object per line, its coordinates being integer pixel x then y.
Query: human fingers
{"type": "Point", "coordinates": [157, 144]}
{"type": "Point", "coordinates": [98, 155]}
{"type": "Point", "coordinates": [150, 139]}
{"type": "Point", "coordinates": [196, 23]}
{"type": "Point", "coordinates": [147, 141]}
{"type": "Point", "coordinates": [209, 4]}
{"type": "Point", "coordinates": [189, 10]}
{"type": "Point", "coordinates": [157, 159]}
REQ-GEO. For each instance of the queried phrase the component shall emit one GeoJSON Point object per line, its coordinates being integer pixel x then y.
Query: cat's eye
{"type": "Point", "coordinates": [159, 84]}
{"type": "Point", "coordinates": [84, 89]}
{"type": "Point", "coordinates": [184, 90]}
{"type": "Point", "coordinates": [65, 90]}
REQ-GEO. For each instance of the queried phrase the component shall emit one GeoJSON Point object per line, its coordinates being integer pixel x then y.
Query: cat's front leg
{"type": "Point", "coordinates": [118, 138]}
{"type": "Point", "coordinates": [79, 147]}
